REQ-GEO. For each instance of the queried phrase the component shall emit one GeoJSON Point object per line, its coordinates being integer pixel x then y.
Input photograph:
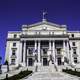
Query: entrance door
{"type": "Point", "coordinates": [45, 62]}
{"type": "Point", "coordinates": [30, 62]}
{"type": "Point", "coordinates": [59, 60]}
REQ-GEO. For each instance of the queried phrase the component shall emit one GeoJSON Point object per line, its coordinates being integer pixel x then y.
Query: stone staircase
{"type": "Point", "coordinates": [50, 68]}
{"type": "Point", "coordinates": [46, 73]}
{"type": "Point", "coordinates": [51, 76]}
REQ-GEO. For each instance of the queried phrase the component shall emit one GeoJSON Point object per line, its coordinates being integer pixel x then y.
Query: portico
{"type": "Point", "coordinates": [43, 49]}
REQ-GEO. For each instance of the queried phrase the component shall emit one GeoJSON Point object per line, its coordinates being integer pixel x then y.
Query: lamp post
{"type": "Point", "coordinates": [0, 65]}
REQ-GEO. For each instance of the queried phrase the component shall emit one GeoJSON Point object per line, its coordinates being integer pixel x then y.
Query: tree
{"type": "Point", "coordinates": [0, 64]}
{"type": "Point", "coordinates": [6, 63]}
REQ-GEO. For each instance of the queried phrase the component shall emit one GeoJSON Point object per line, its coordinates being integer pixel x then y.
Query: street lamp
{"type": "Point", "coordinates": [0, 65]}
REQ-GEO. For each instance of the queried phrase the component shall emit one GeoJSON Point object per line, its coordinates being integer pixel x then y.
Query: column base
{"type": "Point", "coordinates": [23, 64]}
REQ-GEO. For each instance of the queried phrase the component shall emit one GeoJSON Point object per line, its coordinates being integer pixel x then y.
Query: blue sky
{"type": "Point", "coordinates": [14, 13]}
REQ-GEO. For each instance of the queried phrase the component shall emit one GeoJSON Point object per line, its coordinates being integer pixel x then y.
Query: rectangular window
{"type": "Point", "coordinates": [73, 43]}
{"type": "Point", "coordinates": [45, 51]}
{"type": "Point", "coordinates": [30, 51]}
{"type": "Point", "coordinates": [15, 35]}
{"type": "Point", "coordinates": [72, 35]}
{"type": "Point", "coordinates": [14, 44]}
{"type": "Point", "coordinates": [58, 51]}
{"type": "Point", "coordinates": [74, 51]}
{"type": "Point", "coordinates": [13, 52]}
{"type": "Point", "coordinates": [30, 62]}
{"type": "Point", "coordinates": [75, 59]}
{"type": "Point", "coordinates": [13, 61]}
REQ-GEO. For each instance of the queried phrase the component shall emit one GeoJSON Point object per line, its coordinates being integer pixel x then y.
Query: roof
{"type": "Point", "coordinates": [44, 22]}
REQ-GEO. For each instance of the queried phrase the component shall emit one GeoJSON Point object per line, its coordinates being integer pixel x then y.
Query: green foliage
{"type": "Point", "coordinates": [6, 62]}
{"type": "Point", "coordinates": [69, 71]}
{"type": "Point", "coordinates": [21, 75]}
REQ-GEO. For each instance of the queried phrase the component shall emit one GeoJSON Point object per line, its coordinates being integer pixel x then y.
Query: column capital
{"type": "Point", "coordinates": [39, 41]}
{"type": "Point", "coordinates": [53, 40]}
{"type": "Point", "coordinates": [64, 40]}
{"type": "Point", "coordinates": [24, 41]}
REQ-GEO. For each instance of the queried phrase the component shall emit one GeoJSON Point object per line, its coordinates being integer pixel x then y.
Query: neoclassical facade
{"type": "Point", "coordinates": [43, 43]}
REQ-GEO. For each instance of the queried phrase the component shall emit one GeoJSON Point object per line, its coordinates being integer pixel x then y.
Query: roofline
{"type": "Point", "coordinates": [14, 31]}
{"type": "Point", "coordinates": [44, 22]}
{"type": "Point", "coordinates": [73, 31]}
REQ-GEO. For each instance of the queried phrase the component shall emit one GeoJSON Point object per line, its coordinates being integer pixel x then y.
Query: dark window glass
{"type": "Point", "coordinates": [45, 62]}
{"type": "Point", "coordinates": [74, 51]}
{"type": "Point", "coordinates": [73, 43]}
{"type": "Point", "coordinates": [44, 51]}
{"type": "Point", "coordinates": [75, 60]}
{"type": "Point", "coordinates": [30, 62]}
{"type": "Point", "coordinates": [15, 35]}
{"type": "Point", "coordinates": [30, 51]}
{"type": "Point", "coordinates": [14, 44]}
{"type": "Point", "coordinates": [13, 61]}
{"type": "Point", "coordinates": [72, 35]}
{"type": "Point", "coordinates": [13, 52]}
{"type": "Point", "coordinates": [58, 51]}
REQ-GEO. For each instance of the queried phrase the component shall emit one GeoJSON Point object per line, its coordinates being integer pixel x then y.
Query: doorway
{"type": "Point", "coordinates": [45, 62]}
{"type": "Point", "coordinates": [59, 61]}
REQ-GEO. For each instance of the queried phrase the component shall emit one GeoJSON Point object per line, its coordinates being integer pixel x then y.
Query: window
{"type": "Point", "coordinates": [30, 51]}
{"type": "Point", "coordinates": [74, 51]}
{"type": "Point", "coordinates": [14, 44]}
{"type": "Point", "coordinates": [44, 51]}
{"type": "Point", "coordinates": [75, 59]}
{"type": "Point", "coordinates": [58, 51]}
{"type": "Point", "coordinates": [30, 62]}
{"type": "Point", "coordinates": [13, 52]}
{"type": "Point", "coordinates": [12, 61]}
{"type": "Point", "coordinates": [72, 35]}
{"type": "Point", "coordinates": [73, 43]}
{"type": "Point", "coordinates": [15, 35]}
{"type": "Point", "coordinates": [45, 62]}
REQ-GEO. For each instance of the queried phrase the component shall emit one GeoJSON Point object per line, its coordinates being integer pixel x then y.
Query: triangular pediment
{"type": "Point", "coordinates": [45, 26]}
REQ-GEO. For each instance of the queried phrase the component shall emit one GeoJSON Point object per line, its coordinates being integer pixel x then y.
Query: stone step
{"type": "Point", "coordinates": [47, 68]}
{"type": "Point", "coordinates": [51, 76]}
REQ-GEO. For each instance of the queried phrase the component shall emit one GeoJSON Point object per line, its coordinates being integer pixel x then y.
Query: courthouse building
{"type": "Point", "coordinates": [43, 43]}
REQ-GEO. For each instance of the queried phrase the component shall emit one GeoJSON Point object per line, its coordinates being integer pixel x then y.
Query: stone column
{"type": "Point", "coordinates": [53, 48]}
{"type": "Point", "coordinates": [35, 53]}
{"type": "Point", "coordinates": [68, 56]}
{"type": "Point", "coordinates": [71, 56]}
{"type": "Point", "coordinates": [49, 52]}
{"type": "Point", "coordinates": [35, 47]}
{"type": "Point", "coordinates": [50, 45]}
{"type": "Point", "coordinates": [63, 52]}
{"type": "Point", "coordinates": [27, 54]}
{"type": "Point", "coordinates": [24, 52]}
{"type": "Point", "coordinates": [39, 51]}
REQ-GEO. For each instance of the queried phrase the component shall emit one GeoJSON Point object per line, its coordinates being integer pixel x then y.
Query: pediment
{"type": "Point", "coordinates": [46, 26]}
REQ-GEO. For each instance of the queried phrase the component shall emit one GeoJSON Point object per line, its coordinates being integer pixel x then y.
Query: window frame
{"type": "Point", "coordinates": [15, 35]}
{"type": "Point", "coordinates": [13, 61]}
{"type": "Point", "coordinates": [14, 44]}
{"type": "Point", "coordinates": [75, 60]}
{"type": "Point", "coordinates": [72, 35]}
